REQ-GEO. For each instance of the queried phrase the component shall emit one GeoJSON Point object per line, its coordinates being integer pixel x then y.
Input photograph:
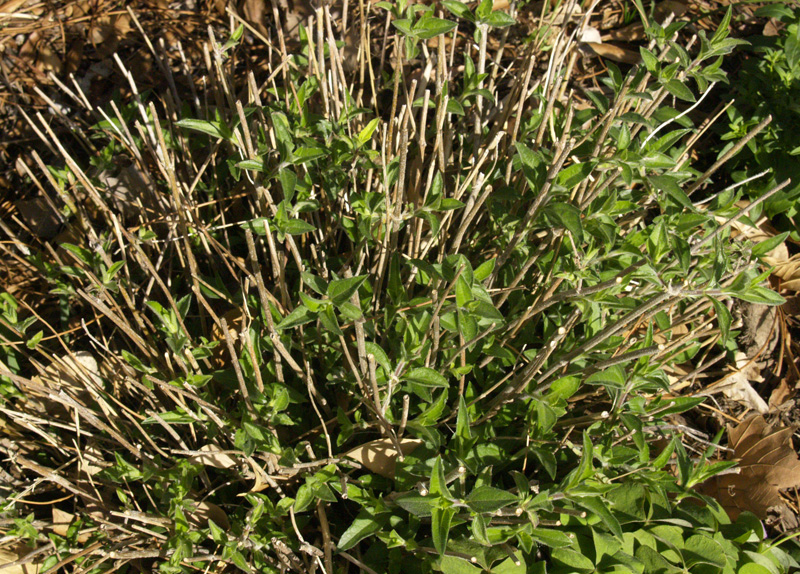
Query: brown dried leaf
{"type": "Point", "coordinates": [214, 458]}
{"type": "Point", "coordinates": [8, 557]}
{"type": "Point", "coordinates": [614, 53]}
{"type": "Point", "coordinates": [767, 464]}
{"type": "Point", "coordinates": [380, 455]}
{"type": "Point", "coordinates": [201, 512]}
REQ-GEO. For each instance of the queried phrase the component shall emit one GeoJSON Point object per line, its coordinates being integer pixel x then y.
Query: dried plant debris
{"type": "Point", "coordinates": [768, 464]}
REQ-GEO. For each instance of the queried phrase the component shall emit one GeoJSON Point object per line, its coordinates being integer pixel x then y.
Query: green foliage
{"type": "Point", "coordinates": [483, 306]}
{"type": "Point", "coordinates": [768, 85]}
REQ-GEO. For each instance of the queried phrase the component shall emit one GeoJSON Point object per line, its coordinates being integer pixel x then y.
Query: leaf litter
{"type": "Point", "coordinates": [767, 465]}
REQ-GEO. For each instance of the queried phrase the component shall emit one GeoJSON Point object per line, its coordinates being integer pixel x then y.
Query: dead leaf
{"type": "Point", "coordinates": [9, 557]}
{"type": "Point", "coordinates": [201, 512]}
{"type": "Point", "coordinates": [767, 465]}
{"type": "Point", "coordinates": [380, 455]}
{"type": "Point", "coordinates": [11, 6]}
{"type": "Point", "coordinates": [215, 457]}
{"type": "Point", "coordinates": [590, 34]}
{"type": "Point", "coordinates": [614, 53]}
{"type": "Point", "coordinates": [738, 388]}
{"type": "Point", "coordinates": [61, 523]}
{"type": "Point", "coordinates": [781, 395]}
{"type": "Point", "coordinates": [220, 356]}
{"type": "Point", "coordinates": [254, 12]}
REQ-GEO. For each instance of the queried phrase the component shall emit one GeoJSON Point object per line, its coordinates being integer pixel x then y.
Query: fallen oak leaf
{"type": "Point", "coordinates": [767, 465]}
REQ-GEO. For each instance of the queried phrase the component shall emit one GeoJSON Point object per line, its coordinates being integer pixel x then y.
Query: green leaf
{"type": "Point", "coordinates": [764, 247]}
{"type": "Point", "coordinates": [288, 182]}
{"type": "Point", "coordinates": [574, 174]}
{"type": "Point", "coordinates": [404, 26]}
{"type": "Point", "coordinates": [297, 227]}
{"type": "Point", "coordinates": [463, 292]}
{"type": "Point", "coordinates": [426, 377]}
{"type": "Point", "coordinates": [441, 519]}
{"type": "Point", "coordinates": [568, 216]}
{"type": "Point", "coordinates": [299, 316]}
{"type": "Point", "coordinates": [381, 358]}
{"type": "Point", "coordinates": [761, 295]}
{"type": "Point", "coordinates": [649, 59]}
{"type": "Point", "coordinates": [448, 204]}
{"type": "Point", "coordinates": [217, 533]}
{"type": "Point", "coordinates": [572, 559]}
{"type": "Point", "coordinates": [363, 526]}
{"type": "Point", "coordinates": [328, 319]}
{"type": "Point", "coordinates": [455, 565]}
{"type": "Point", "coordinates": [678, 89]}
{"type": "Point", "coordinates": [416, 504]}
{"type": "Point", "coordinates": [459, 9]}
{"type": "Point", "coordinates": [701, 549]}
{"type": "Point", "coordinates": [500, 19]}
{"type": "Point", "coordinates": [599, 507]}
{"type": "Point", "coordinates": [318, 284]}
{"type": "Point", "coordinates": [429, 27]}
{"type": "Point", "coordinates": [489, 499]}
{"type": "Point", "coordinates": [564, 387]}
{"type": "Point", "coordinates": [791, 50]}
{"type": "Point", "coordinates": [438, 483]}
{"type": "Point", "coordinates": [455, 107]}
{"type": "Point", "coordinates": [613, 377]}
{"type": "Point", "coordinates": [209, 128]}
{"type": "Point", "coordinates": [668, 185]}
{"type": "Point", "coordinates": [366, 134]}
{"type": "Point", "coordinates": [724, 318]}
{"type": "Point", "coordinates": [551, 538]}
{"type": "Point", "coordinates": [306, 154]}
{"type": "Point", "coordinates": [483, 270]}
{"type": "Point", "coordinates": [340, 290]}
